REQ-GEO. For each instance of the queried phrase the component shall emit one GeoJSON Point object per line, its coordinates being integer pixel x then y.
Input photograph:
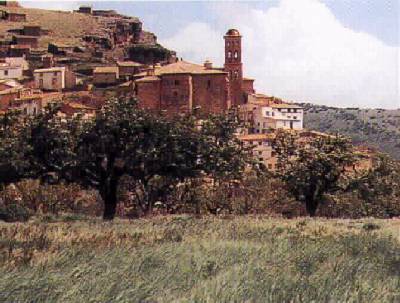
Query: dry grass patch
{"type": "Point", "coordinates": [184, 259]}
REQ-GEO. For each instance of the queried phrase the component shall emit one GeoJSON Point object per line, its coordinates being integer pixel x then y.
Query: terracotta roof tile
{"type": "Point", "coordinates": [106, 69]}
{"type": "Point", "coordinates": [183, 67]}
{"type": "Point", "coordinates": [129, 64]}
{"type": "Point", "coordinates": [148, 79]}
{"type": "Point", "coordinates": [51, 69]}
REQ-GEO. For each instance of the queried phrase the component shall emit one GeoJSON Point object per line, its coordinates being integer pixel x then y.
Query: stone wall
{"type": "Point", "coordinates": [148, 94]}
{"type": "Point", "coordinates": [176, 93]}
{"type": "Point", "coordinates": [210, 93]}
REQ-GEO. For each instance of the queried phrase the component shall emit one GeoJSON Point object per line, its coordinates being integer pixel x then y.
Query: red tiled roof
{"type": "Point", "coordinates": [148, 79]}
{"type": "Point", "coordinates": [183, 67]}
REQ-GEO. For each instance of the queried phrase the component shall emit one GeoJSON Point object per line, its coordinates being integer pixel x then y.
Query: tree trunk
{"type": "Point", "coordinates": [109, 195]}
{"type": "Point", "coordinates": [311, 207]}
{"type": "Point", "coordinates": [313, 197]}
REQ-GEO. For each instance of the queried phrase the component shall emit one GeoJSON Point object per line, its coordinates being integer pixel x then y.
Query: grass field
{"type": "Point", "coordinates": [183, 259]}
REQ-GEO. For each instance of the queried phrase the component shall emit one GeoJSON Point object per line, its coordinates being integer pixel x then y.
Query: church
{"type": "Point", "coordinates": [184, 87]}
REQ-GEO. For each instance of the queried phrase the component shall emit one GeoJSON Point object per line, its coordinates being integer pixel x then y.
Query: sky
{"type": "Point", "coordinates": [342, 53]}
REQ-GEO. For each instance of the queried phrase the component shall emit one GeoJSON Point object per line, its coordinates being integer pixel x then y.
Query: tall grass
{"type": "Point", "coordinates": [182, 259]}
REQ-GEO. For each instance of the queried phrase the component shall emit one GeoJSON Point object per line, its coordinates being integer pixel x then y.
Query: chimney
{"type": "Point", "coordinates": [208, 64]}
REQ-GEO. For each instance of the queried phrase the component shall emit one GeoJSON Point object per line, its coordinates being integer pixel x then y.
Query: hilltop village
{"type": "Point", "coordinates": [111, 55]}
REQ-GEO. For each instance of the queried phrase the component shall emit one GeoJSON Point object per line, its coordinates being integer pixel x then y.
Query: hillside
{"type": "Point", "coordinates": [64, 26]}
{"type": "Point", "coordinates": [117, 36]}
{"type": "Point", "coordinates": [183, 259]}
{"type": "Point", "coordinates": [376, 128]}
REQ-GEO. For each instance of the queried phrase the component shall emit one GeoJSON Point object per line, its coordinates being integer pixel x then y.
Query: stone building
{"type": "Point", "coordinates": [85, 9]}
{"type": "Point", "coordinates": [261, 146]}
{"type": "Point", "coordinates": [13, 16]}
{"type": "Point", "coordinates": [127, 69]}
{"type": "Point", "coordinates": [11, 71]}
{"type": "Point", "coordinates": [278, 116]}
{"type": "Point", "coordinates": [32, 41]}
{"type": "Point", "coordinates": [234, 66]}
{"type": "Point", "coordinates": [105, 75]}
{"type": "Point", "coordinates": [183, 87]}
{"type": "Point", "coordinates": [28, 104]}
{"type": "Point", "coordinates": [19, 50]}
{"type": "Point", "coordinates": [54, 78]}
{"type": "Point", "coordinates": [32, 30]}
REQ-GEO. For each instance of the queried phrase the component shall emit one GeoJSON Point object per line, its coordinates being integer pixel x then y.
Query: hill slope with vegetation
{"type": "Point", "coordinates": [63, 25]}
{"type": "Point", "coordinates": [376, 128]}
{"type": "Point", "coordinates": [183, 259]}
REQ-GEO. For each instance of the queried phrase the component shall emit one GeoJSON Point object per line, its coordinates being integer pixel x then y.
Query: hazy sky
{"type": "Point", "coordinates": [335, 52]}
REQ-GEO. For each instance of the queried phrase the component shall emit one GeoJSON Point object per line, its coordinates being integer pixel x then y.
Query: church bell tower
{"type": "Point", "coordinates": [233, 65]}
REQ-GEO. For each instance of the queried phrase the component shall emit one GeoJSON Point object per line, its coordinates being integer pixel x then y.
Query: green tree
{"type": "Point", "coordinates": [14, 164]}
{"type": "Point", "coordinates": [122, 140]}
{"type": "Point", "coordinates": [379, 187]}
{"type": "Point", "coordinates": [314, 167]}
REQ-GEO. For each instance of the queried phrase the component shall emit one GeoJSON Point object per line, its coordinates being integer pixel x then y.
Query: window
{"type": "Point", "coordinates": [289, 110]}
{"type": "Point", "coordinates": [273, 114]}
{"type": "Point", "coordinates": [260, 153]}
{"type": "Point", "coordinates": [208, 84]}
{"type": "Point", "coordinates": [273, 154]}
{"type": "Point", "coordinates": [34, 110]}
{"type": "Point", "coordinates": [267, 113]}
{"type": "Point", "coordinates": [259, 143]}
{"type": "Point", "coordinates": [236, 74]}
{"type": "Point", "coordinates": [261, 159]}
{"type": "Point", "coordinates": [236, 55]}
{"type": "Point", "coordinates": [264, 124]}
{"type": "Point", "coordinates": [258, 123]}
{"type": "Point", "coordinates": [269, 166]}
{"type": "Point", "coordinates": [176, 82]}
{"type": "Point", "coordinates": [25, 111]}
{"type": "Point", "coordinates": [229, 54]}
{"type": "Point", "coordinates": [295, 117]}
{"type": "Point", "coordinates": [41, 83]}
{"type": "Point", "coordinates": [295, 110]}
{"type": "Point", "coordinates": [6, 73]}
{"type": "Point", "coordinates": [54, 81]}
{"type": "Point", "coordinates": [228, 44]}
{"type": "Point", "coordinates": [55, 74]}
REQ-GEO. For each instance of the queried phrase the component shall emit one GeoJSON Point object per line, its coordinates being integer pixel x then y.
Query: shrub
{"type": "Point", "coordinates": [21, 200]}
{"type": "Point", "coordinates": [14, 212]}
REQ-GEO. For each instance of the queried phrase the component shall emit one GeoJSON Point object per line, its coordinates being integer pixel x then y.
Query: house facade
{"type": "Point", "coordinates": [278, 116]}
{"type": "Point", "coordinates": [261, 146]}
{"type": "Point", "coordinates": [105, 75]}
{"type": "Point", "coordinates": [54, 78]}
{"type": "Point", "coordinates": [9, 71]}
